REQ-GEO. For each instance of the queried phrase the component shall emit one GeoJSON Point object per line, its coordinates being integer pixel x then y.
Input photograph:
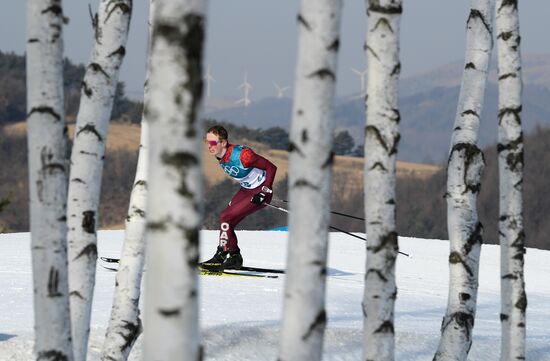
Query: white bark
{"type": "Point", "coordinates": [381, 141]}
{"type": "Point", "coordinates": [510, 161]}
{"type": "Point", "coordinates": [311, 156]}
{"type": "Point", "coordinates": [47, 142]}
{"type": "Point", "coordinates": [464, 170]}
{"type": "Point", "coordinates": [174, 206]}
{"type": "Point", "coordinates": [111, 25]}
{"type": "Point", "coordinates": [125, 324]}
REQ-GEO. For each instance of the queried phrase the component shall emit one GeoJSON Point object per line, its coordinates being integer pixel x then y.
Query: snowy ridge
{"type": "Point", "coordinates": [240, 318]}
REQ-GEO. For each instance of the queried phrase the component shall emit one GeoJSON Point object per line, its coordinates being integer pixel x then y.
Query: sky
{"type": "Point", "coordinates": [259, 37]}
{"type": "Point", "coordinates": [240, 317]}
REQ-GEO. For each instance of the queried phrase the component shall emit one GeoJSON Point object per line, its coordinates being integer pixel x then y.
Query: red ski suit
{"type": "Point", "coordinates": [241, 205]}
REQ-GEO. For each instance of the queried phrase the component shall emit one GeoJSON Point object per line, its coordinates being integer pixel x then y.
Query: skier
{"type": "Point", "coordinates": [255, 175]}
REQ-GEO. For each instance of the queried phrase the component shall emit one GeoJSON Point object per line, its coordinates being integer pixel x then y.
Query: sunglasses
{"type": "Point", "coordinates": [211, 142]}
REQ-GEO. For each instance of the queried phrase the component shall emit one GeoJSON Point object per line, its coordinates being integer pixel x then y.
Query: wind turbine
{"type": "Point", "coordinates": [208, 78]}
{"type": "Point", "coordinates": [247, 87]}
{"type": "Point", "coordinates": [362, 75]}
{"type": "Point", "coordinates": [280, 90]}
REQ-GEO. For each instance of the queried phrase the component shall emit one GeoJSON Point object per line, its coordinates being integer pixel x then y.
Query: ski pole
{"type": "Point", "coordinates": [332, 227]}
{"type": "Point", "coordinates": [333, 212]}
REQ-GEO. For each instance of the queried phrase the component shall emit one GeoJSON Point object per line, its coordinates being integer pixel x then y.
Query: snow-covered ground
{"type": "Point", "coordinates": [240, 317]}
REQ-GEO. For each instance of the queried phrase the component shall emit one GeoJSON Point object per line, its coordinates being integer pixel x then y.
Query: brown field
{"type": "Point", "coordinates": [350, 169]}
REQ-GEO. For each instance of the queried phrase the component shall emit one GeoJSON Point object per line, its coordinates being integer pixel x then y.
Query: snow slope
{"type": "Point", "coordinates": [240, 317]}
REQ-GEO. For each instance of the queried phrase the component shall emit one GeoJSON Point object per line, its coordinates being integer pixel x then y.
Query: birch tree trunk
{"type": "Point", "coordinates": [311, 155]}
{"type": "Point", "coordinates": [464, 169]}
{"type": "Point", "coordinates": [125, 325]}
{"type": "Point", "coordinates": [510, 161]}
{"type": "Point", "coordinates": [47, 142]}
{"type": "Point", "coordinates": [174, 206]}
{"type": "Point", "coordinates": [111, 24]}
{"type": "Point", "coordinates": [381, 141]}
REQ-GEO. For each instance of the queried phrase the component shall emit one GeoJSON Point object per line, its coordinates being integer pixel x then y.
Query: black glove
{"type": "Point", "coordinates": [258, 198]}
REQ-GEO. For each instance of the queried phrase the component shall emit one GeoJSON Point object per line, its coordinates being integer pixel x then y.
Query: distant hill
{"type": "Point", "coordinates": [428, 105]}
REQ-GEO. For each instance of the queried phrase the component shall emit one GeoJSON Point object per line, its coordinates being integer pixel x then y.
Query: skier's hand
{"type": "Point", "coordinates": [262, 197]}
{"type": "Point", "coordinates": [258, 198]}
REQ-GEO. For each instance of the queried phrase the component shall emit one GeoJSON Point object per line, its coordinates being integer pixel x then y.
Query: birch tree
{"type": "Point", "coordinates": [381, 141]}
{"type": "Point", "coordinates": [111, 24]}
{"type": "Point", "coordinates": [510, 160]}
{"type": "Point", "coordinates": [464, 168]}
{"type": "Point", "coordinates": [311, 155]}
{"type": "Point", "coordinates": [125, 324]}
{"type": "Point", "coordinates": [174, 206]}
{"type": "Point", "coordinates": [47, 142]}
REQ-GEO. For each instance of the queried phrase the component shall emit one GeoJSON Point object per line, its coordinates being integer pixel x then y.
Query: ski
{"type": "Point", "coordinates": [243, 268]}
{"type": "Point", "coordinates": [232, 273]}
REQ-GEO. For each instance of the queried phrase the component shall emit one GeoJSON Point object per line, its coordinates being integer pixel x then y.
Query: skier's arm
{"type": "Point", "coordinates": [251, 159]}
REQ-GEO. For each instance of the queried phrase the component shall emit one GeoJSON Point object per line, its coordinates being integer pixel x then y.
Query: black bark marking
{"type": "Point", "coordinates": [455, 258]}
{"type": "Point", "coordinates": [383, 22]}
{"type": "Point", "coordinates": [181, 162]}
{"type": "Point", "coordinates": [474, 13]}
{"type": "Point", "coordinates": [140, 182]}
{"type": "Point", "coordinates": [121, 51]}
{"type": "Point", "coordinates": [318, 324]}
{"type": "Point", "coordinates": [334, 46]}
{"type": "Point", "coordinates": [123, 6]}
{"type": "Point", "coordinates": [78, 180]}
{"type": "Point", "coordinates": [377, 135]}
{"type": "Point", "coordinates": [33, 40]}
{"type": "Point", "coordinates": [292, 147]}
{"type": "Point", "coordinates": [388, 241]}
{"type": "Point", "coordinates": [45, 110]}
{"type": "Point", "coordinates": [170, 313]}
{"type": "Point", "coordinates": [76, 294]}
{"type": "Point", "coordinates": [509, 276]}
{"type": "Point", "coordinates": [385, 327]}
{"type": "Point", "coordinates": [328, 162]}
{"type": "Point", "coordinates": [88, 222]}
{"type": "Point", "coordinates": [507, 75]}
{"type": "Point", "coordinates": [98, 69]}
{"type": "Point", "coordinates": [464, 297]}
{"type": "Point", "coordinates": [463, 320]}
{"type": "Point", "coordinates": [129, 333]}
{"type": "Point", "coordinates": [396, 69]}
{"type": "Point", "coordinates": [377, 272]}
{"type": "Point", "coordinates": [157, 226]}
{"type": "Point", "coordinates": [514, 159]}
{"type": "Point", "coordinates": [380, 166]}
{"type": "Point", "coordinates": [471, 151]}
{"type": "Point", "coordinates": [90, 128]}
{"type": "Point", "coordinates": [505, 35]}
{"type": "Point", "coordinates": [52, 355]}
{"type": "Point", "coordinates": [470, 65]}
{"type": "Point", "coordinates": [54, 9]}
{"type": "Point", "coordinates": [322, 73]}
{"type": "Point", "coordinates": [512, 3]}
{"type": "Point", "coordinates": [302, 21]}
{"type": "Point", "coordinates": [192, 44]}
{"type": "Point", "coordinates": [53, 283]}
{"type": "Point", "coordinates": [392, 9]}
{"type": "Point", "coordinates": [521, 303]}
{"type": "Point", "coordinates": [514, 111]}
{"type": "Point", "coordinates": [305, 136]}
{"type": "Point", "coordinates": [469, 112]}
{"type": "Point", "coordinates": [305, 183]}
{"type": "Point", "coordinates": [370, 50]}
{"type": "Point", "coordinates": [89, 251]}
{"type": "Point", "coordinates": [86, 89]}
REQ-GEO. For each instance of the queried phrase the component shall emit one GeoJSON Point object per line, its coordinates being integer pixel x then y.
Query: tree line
{"type": "Point", "coordinates": [13, 93]}
{"type": "Point", "coordinates": [420, 203]}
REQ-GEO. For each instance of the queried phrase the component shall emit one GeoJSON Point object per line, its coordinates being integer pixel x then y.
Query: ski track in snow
{"type": "Point", "coordinates": [240, 317]}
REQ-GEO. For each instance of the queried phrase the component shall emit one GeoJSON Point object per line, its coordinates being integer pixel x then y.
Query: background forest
{"type": "Point", "coordinates": [420, 205]}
